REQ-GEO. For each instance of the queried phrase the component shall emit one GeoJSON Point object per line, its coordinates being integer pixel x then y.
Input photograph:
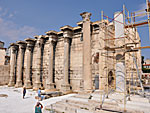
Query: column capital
{"type": "Point", "coordinates": [39, 40]}
{"type": "Point", "coordinates": [86, 16]}
{"type": "Point", "coordinates": [51, 32]}
{"type": "Point", "coordinates": [28, 40]}
{"type": "Point", "coordinates": [30, 43]}
{"type": "Point", "coordinates": [21, 44]}
{"type": "Point", "coordinates": [14, 47]}
{"type": "Point", "coordinates": [52, 35]}
{"type": "Point", "coordinates": [67, 31]}
{"type": "Point", "coordinates": [39, 37]}
{"type": "Point", "coordinates": [13, 44]}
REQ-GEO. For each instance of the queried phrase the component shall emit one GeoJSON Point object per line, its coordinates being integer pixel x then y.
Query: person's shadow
{"type": "Point", "coordinates": [26, 97]}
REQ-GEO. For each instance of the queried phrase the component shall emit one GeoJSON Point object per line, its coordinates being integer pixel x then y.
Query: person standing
{"type": "Point", "coordinates": [39, 93]}
{"type": "Point", "coordinates": [38, 107]}
{"type": "Point", "coordinates": [24, 92]}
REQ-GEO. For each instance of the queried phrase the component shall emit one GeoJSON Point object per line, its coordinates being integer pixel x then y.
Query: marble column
{"type": "Point", "coordinates": [50, 77]}
{"type": "Point", "coordinates": [87, 60]}
{"type": "Point", "coordinates": [29, 51]}
{"type": "Point", "coordinates": [14, 48]}
{"type": "Point", "coordinates": [20, 59]}
{"type": "Point", "coordinates": [67, 34]}
{"type": "Point", "coordinates": [39, 45]}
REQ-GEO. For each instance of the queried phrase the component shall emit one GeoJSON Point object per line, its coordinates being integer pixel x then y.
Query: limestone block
{"type": "Point", "coordinates": [4, 74]}
{"type": "Point", "coordinates": [2, 56]}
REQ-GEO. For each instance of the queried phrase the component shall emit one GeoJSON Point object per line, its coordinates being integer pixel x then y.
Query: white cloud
{"type": "Point", "coordinates": [10, 31]}
{"type": "Point", "coordinates": [11, 15]}
{"type": "Point", "coordinates": [0, 8]}
{"type": "Point", "coordinates": [4, 13]}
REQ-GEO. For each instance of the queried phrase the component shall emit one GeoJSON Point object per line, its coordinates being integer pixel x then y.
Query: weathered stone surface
{"type": "Point", "coordinates": [20, 63]}
{"type": "Point", "coordinates": [2, 56]}
{"type": "Point", "coordinates": [13, 62]}
{"type": "Point", "coordinates": [87, 72]}
{"type": "Point", "coordinates": [77, 61]}
{"type": "Point", "coordinates": [29, 53]}
{"type": "Point", "coordinates": [82, 104]}
{"type": "Point", "coordinates": [4, 74]}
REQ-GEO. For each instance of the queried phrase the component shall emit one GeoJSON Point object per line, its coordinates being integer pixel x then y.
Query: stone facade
{"type": "Point", "coordinates": [2, 56]}
{"type": "Point", "coordinates": [2, 53]}
{"type": "Point", "coordinates": [4, 67]}
{"type": "Point", "coordinates": [4, 74]}
{"type": "Point", "coordinates": [68, 60]}
{"type": "Point", "coordinates": [1, 44]}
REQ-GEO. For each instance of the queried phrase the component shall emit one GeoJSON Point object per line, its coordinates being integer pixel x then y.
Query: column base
{"type": "Point", "coordinates": [37, 85]}
{"type": "Point", "coordinates": [50, 87]}
{"type": "Point", "coordinates": [11, 81]}
{"type": "Point", "coordinates": [27, 84]}
{"type": "Point", "coordinates": [65, 88]}
{"type": "Point", "coordinates": [18, 84]}
{"type": "Point", "coordinates": [87, 87]}
{"type": "Point", "coordinates": [50, 90]}
{"type": "Point", "coordinates": [88, 91]}
{"type": "Point", "coordinates": [10, 84]}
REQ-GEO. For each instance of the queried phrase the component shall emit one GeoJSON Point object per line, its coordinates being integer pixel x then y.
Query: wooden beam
{"type": "Point", "coordinates": [145, 47]}
{"type": "Point", "coordinates": [136, 24]}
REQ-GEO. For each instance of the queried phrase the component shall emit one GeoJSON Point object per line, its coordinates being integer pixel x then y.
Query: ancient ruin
{"type": "Point", "coordinates": [4, 65]}
{"type": "Point", "coordinates": [72, 59]}
{"type": "Point", "coordinates": [100, 61]}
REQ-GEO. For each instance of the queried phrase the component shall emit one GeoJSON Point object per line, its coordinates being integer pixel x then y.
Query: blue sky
{"type": "Point", "coordinates": [20, 19]}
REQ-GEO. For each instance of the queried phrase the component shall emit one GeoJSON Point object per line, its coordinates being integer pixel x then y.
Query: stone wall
{"type": "Point", "coordinates": [59, 63]}
{"type": "Point", "coordinates": [4, 74]}
{"type": "Point", "coordinates": [2, 56]}
{"type": "Point", "coordinates": [70, 59]}
{"type": "Point", "coordinates": [95, 55]}
{"type": "Point", "coordinates": [76, 62]}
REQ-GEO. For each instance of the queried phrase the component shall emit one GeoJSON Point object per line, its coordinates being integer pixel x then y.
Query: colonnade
{"type": "Point", "coordinates": [19, 49]}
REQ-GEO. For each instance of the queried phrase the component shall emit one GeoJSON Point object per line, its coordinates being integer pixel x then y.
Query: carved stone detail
{"type": "Point", "coordinates": [86, 16]}
{"type": "Point", "coordinates": [66, 40]}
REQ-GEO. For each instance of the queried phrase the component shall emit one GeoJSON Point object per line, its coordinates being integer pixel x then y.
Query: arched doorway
{"type": "Point", "coordinates": [110, 78]}
{"type": "Point", "coordinates": [96, 82]}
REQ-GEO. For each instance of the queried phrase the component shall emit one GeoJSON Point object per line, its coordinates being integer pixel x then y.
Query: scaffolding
{"type": "Point", "coordinates": [124, 49]}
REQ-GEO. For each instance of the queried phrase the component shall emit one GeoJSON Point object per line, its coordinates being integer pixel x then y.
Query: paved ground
{"type": "Point", "coordinates": [11, 100]}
